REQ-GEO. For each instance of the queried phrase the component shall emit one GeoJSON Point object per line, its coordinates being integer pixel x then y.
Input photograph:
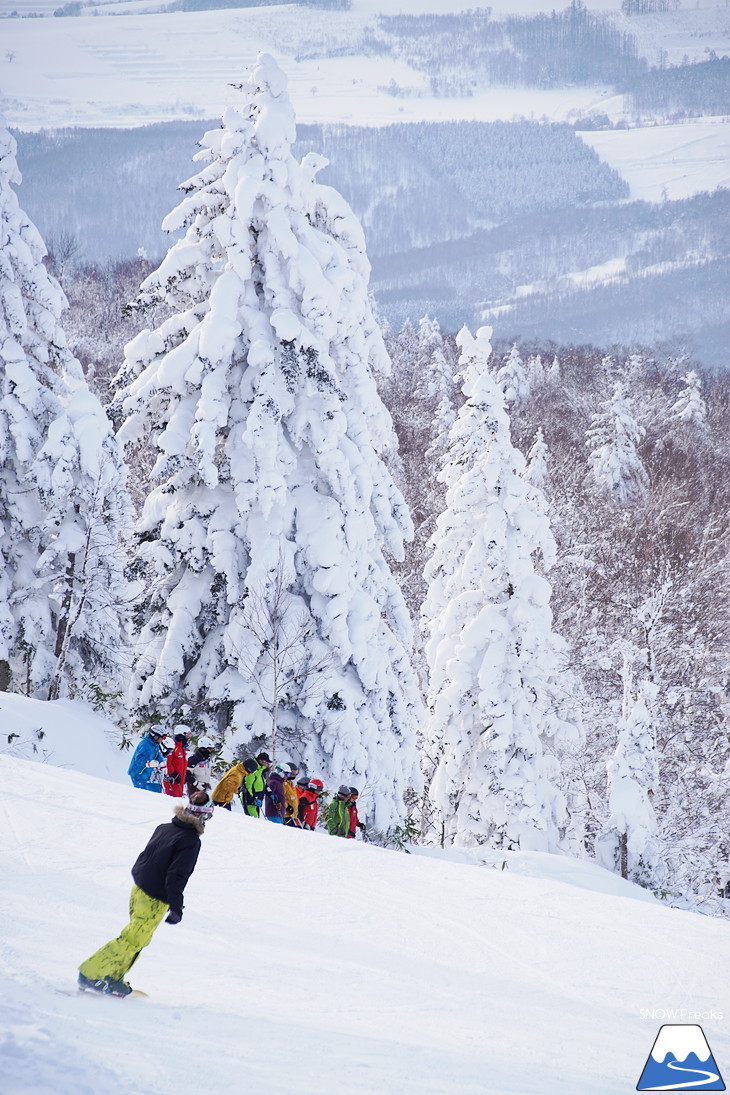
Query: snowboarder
{"type": "Point", "coordinates": [309, 803]}
{"type": "Point", "coordinates": [230, 784]}
{"type": "Point", "coordinates": [254, 786]}
{"type": "Point", "coordinates": [275, 797]}
{"type": "Point", "coordinates": [337, 817]}
{"type": "Point", "coordinates": [198, 773]}
{"type": "Point", "coordinates": [177, 764]}
{"type": "Point", "coordinates": [147, 761]}
{"type": "Point", "coordinates": [160, 875]}
{"type": "Point", "coordinates": [355, 822]}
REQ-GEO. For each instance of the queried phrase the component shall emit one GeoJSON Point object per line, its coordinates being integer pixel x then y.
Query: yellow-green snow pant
{"type": "Point", "coordinates": [118, 956]}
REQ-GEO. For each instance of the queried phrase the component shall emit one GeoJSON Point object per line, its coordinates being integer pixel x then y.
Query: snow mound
{"type": "Point", "coordinates": [65, 734]}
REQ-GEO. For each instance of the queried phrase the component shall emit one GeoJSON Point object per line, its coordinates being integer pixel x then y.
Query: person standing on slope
{"type": "Point", "coordinates": [231, 783]}
{"type": "Point", "coordinates": [309, 803]}
{"type": "Point", "coordinates": [198, 773]}
{"type": "Point", "coordinates": [177, 765]}
{"type": "Point", "coordinates": [291, 809]}
{"type": "Point", "coordinates": [254, 786]}
{"type": "Point", "coordinates": [160, 875]}
{"type": "Point", "coordinates": [337, 817]}
{"type": "Point", "coordinates": [355, 822]}
{"type": "Point", "coordinates": [148, 760]}
{"type": "Point", "coordinates": [275, 797]}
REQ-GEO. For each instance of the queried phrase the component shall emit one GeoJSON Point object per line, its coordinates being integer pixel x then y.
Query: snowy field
{"type": "Point", "coordinates": [308, 963]}
{"type": "Point", "coordinates": [107, 70]}
{"type": "Point", "coordinates": [667, 161]}
{"type": "Point", "coordinates": [359, 7]}
{"type": "Point", "coordinates": [149, 68]}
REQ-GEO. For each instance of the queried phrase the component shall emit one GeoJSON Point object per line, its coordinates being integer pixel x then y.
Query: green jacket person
{"type": "Point", "coordinates": [337, 817]}
{"type": "Point", "coordinates": [254, 785]}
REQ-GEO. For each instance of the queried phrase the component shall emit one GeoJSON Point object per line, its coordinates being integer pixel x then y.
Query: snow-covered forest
{"type": "Point", "coordinates": [486, 582]}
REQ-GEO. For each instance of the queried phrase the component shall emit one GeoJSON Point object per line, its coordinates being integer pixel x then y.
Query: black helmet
{"type": "Point", "coordinates": [250, 764]}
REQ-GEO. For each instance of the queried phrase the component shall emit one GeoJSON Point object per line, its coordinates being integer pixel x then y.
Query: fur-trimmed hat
{"type": "Point", "coordinates": [200, 806]}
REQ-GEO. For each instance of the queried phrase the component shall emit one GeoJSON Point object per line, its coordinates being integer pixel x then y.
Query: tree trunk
{"type": "Point", "coordinates": [623, 854]}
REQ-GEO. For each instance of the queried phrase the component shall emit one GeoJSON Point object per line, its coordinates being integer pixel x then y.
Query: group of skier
{"type": "Point", "coordinates": [161, 762]}
{"type": "Point", "coordinates": [276, 792]}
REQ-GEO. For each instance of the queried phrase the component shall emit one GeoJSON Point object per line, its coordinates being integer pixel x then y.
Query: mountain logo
{"type": "Point", "coordinates": [680, 1060]}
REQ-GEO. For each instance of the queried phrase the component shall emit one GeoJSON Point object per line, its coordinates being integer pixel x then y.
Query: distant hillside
{"type": "Point", "coordinates": [631, 272]}
{"type": "Point", "coordinates": [411, 185]}
{"type": "Point", "coordinates": [463, 221]}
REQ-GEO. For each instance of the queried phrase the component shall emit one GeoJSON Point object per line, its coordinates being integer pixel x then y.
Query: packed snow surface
{"type": "Point", "coordinates": [313, 964]}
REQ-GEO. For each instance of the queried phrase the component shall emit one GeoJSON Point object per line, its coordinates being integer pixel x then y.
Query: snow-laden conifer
{"type": "Point", "coordinates": [537, 472]}
{"type": "Point", "coordinates": [270, 609]}
{"type": "Point", "coordinates": [439, 369]}
{"type": "Point", "coordinates": [494, 660]}
{"type": "Point", "coordinates": [63, 502]}
{"type": "Point", "coordinates": [613, 440]}
{"type": "Point", "coordinates": [629, 843]}
{"type": "Point", "coordinates": [689, 408]}
{"type": "Point", "coordinates": [514, 378]}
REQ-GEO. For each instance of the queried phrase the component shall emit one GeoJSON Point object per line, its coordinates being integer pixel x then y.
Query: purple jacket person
{"type": "Point", "coordinates": [274, 800]}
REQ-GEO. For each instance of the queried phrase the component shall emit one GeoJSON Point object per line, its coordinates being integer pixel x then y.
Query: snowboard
{"type": "Point", "coordinates": [104, 995]}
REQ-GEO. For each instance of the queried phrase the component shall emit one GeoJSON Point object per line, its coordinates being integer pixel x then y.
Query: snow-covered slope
{"type": "Point", "coordinates": [64, 734]}
{"type": "Point", "coordinates": [312, 964]}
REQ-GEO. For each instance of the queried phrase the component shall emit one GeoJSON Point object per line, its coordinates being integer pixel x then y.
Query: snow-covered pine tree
{"type": "Point", "coordinates": [439, 369]}
{"type": "Point", "coordinates": [514, 378]}
{"type": "Point", "coordinates": [537, 471]}
{"type": "Point", "coordinates": [262, 543]}
{"type": "Point", "coordinates": [494, 660]}
{"type": "Point", "coordinates": [613, 438]}
{"type": "Point", "coordinates": [628, 843]}
{"type": "Point", "coordinates": [63, 502]}
{"type": "Point", "coordinates": [690, 409]}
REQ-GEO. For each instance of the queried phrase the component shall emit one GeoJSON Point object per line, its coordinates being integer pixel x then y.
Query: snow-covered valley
{"type": "Point", "coordinates": [132, 64]}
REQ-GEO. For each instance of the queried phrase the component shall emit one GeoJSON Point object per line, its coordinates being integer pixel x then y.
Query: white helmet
{"type": "Point", "coordinates": [206, 742]}
{"type": "Point", "coordinates": [168, 743]}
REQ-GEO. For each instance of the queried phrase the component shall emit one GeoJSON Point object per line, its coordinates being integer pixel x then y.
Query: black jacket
{"type": "Point", "coordinates": [164, 867]}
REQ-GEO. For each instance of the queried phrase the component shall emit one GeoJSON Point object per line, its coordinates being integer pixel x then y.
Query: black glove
{"type": "Point", "coordinates": [361, 826]}
{"type": "Point", "coordinates": [172, 777]}
{"type": "Point", "coordinates": [173, 917]}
